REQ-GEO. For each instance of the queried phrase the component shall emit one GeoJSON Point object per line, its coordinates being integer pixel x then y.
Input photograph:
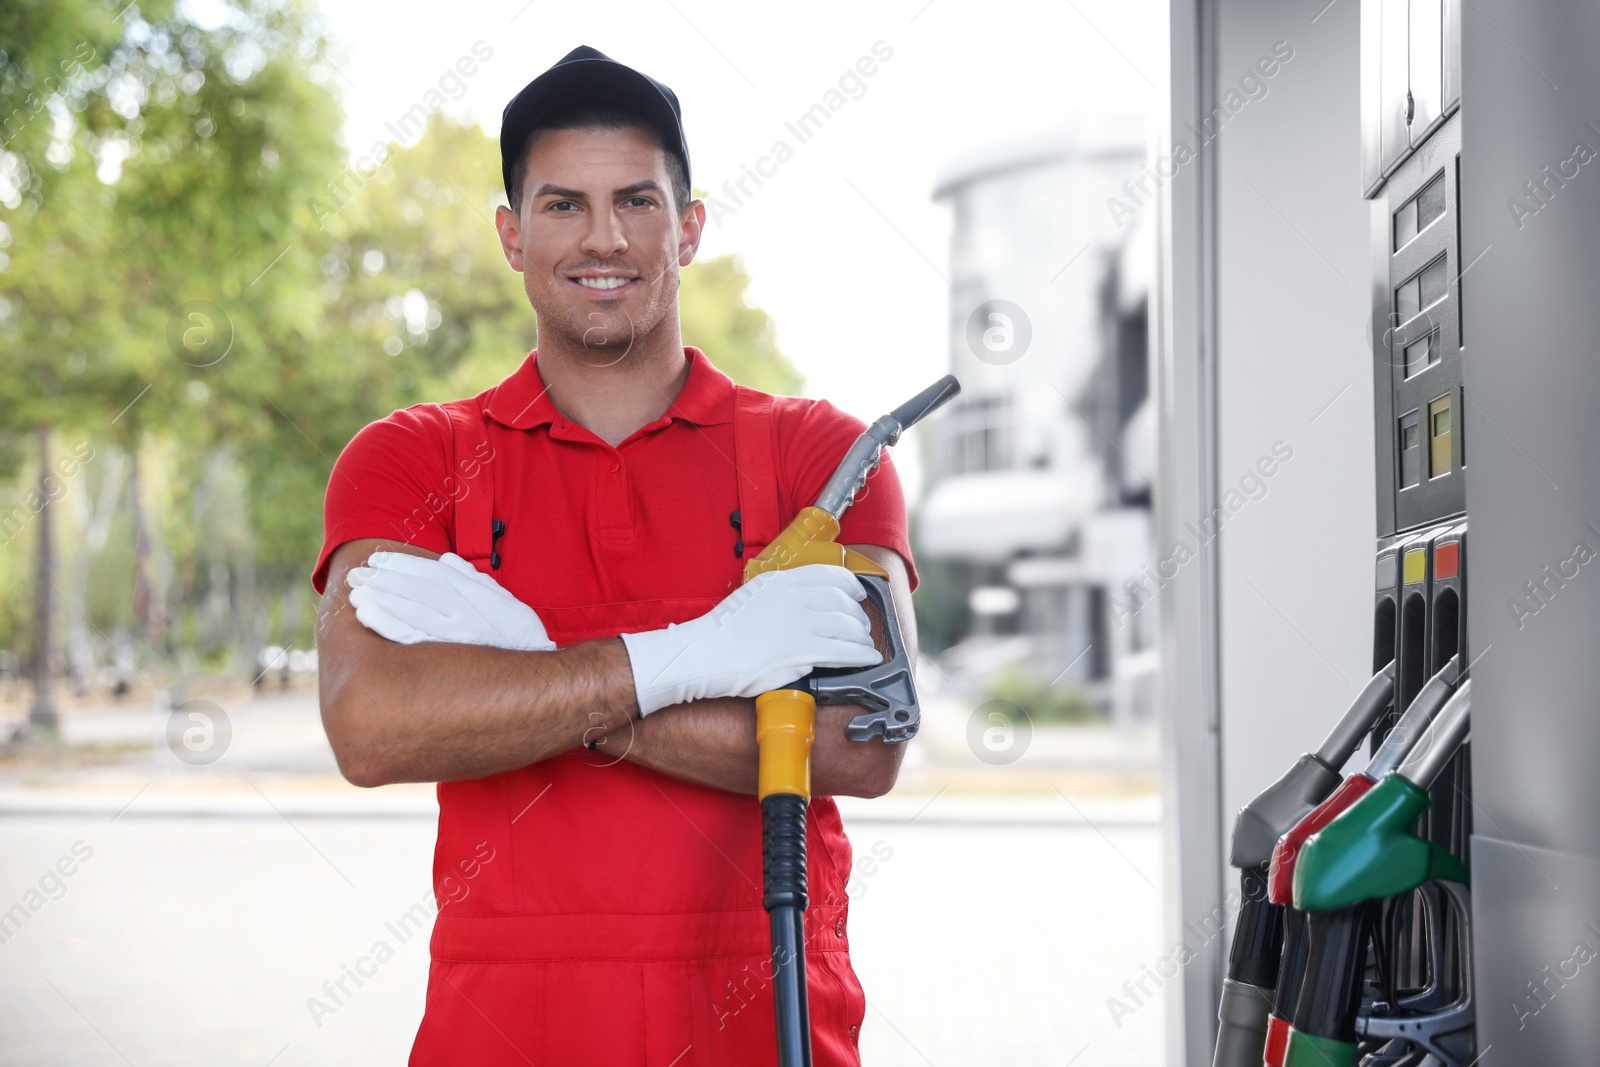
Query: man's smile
{"type": "Point", "coordinates": [603, 285]}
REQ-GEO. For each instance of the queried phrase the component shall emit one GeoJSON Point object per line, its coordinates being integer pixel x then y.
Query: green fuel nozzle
{"type": "Point", "coordinates": [1369, 852]}
{"type": "Point", "coordinates": [1396, 746]}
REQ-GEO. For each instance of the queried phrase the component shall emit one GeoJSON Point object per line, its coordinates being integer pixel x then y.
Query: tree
{"type": "Point", "coordinates": [193, 278]}
{"type": "Point", "coordinates": [156, 183]}
{"type": "Point", "coordinates": [740, 339]}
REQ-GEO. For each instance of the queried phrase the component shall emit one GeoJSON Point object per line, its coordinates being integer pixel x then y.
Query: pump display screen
{"type": "Point", "coordinates": [1439, 459]}
{"type": "Point", "coordinates": [1422, 354]}
{"type": "Point", "coordinates": [1410, 451]}
{"type": "Point", "coordinates": [1416, 214]}
{"type": "Point", "coordinates": [1421, 290]}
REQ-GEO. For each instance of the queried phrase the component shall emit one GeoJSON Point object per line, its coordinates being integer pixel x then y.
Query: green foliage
{"type": "Point", "coordinates": [1043, 702]}
{"type": "Point", "coordinates": [419, 302]}
{"type": "Point", "coordinates": [191, 270]}
{"type": "Point", "coordinates": [741, 340]}
{"type": "Point", "coordinates": [66, 50]}
{"type": "Point", "coordinates": [175, 179]}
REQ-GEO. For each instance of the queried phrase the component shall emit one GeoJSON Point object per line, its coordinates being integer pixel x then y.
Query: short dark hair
{"type": "Point", "coordinates": [598, 116]}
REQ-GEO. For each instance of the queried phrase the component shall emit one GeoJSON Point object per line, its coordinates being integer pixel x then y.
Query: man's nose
{"type": "Point", "coordinates": [604, 237]}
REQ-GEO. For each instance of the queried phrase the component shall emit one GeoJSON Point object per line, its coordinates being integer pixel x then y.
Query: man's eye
{"type": "Point", "coordinates": [639, 201]}
{"type": "Point", "coordinates": [559, 203]}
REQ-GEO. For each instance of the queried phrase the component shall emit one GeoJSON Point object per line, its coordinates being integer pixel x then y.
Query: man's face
{"type": "Point", "coordinates": [598, 240]}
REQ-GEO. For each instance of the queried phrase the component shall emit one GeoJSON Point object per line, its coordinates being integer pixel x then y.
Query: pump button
{"type": "Point", "coordinates": [1386, 573]}
{"type": "Point", "coordinates": [1447, 560]}
{"type": "Point", "coordinates": [1416, 567]}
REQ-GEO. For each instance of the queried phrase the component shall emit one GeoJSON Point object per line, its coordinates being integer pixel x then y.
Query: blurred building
{"type": "Point", "coordinates": [1039, 477]}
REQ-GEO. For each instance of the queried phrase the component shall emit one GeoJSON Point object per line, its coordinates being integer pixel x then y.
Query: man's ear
{"type": "Point", "coordinates": [509, 226]}
{"type": "Point", "coordinates": [693, 228]}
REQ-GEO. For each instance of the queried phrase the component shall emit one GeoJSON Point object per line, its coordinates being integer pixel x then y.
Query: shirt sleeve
{"type": "Point", "coordinates": [813, 437]}
{"type": "Point", "coordinates": [392, 480]}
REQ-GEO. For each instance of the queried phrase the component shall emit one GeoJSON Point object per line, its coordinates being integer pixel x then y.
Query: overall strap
{"type": "Point", "coordinates": [757, 470]}
{"type": "Point", "coordinates": [474, 529]}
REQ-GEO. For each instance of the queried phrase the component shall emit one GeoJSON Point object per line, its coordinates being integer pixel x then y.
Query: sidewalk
{"type": "Point", "coordinates": [130, 759]}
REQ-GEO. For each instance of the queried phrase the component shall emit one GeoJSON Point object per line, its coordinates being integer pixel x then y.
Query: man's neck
{"type": "Point", "coordinates": [613, 399]}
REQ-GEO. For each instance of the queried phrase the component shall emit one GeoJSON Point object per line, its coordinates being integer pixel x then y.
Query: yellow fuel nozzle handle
{"type": "Point", "coordinates": [786, 718]}
{"type": "Point", "coordinates": [810, 538]}
{"type": "Point", "coordinates": [786, 722]}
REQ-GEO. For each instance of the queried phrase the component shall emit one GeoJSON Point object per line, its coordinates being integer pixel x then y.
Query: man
{"type": "Point", "coordinates": [548, 620]}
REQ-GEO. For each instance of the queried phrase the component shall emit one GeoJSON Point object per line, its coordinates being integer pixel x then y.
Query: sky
{"type": "Point", "coordinates": [847, 249]}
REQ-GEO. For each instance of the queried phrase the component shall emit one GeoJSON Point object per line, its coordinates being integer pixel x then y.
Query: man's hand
{"type": "Point", "coordinates": [437, 712]}
{"type": "Point", "coordinates": [713, 742]}
{"type": "Point", "coordinates": [767, 633]}
{"type": "Point", "coordinates": [410, 599]}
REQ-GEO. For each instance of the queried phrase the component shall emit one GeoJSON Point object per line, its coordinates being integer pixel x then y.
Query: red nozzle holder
{"type": "Point", "coordinates": [1280, 876]}
{"type": "Point", "coordinates": [1277, 1041]}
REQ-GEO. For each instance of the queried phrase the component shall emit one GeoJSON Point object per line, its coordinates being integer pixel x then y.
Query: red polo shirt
{"type": "Point", "coordinates": [563, 952]}
{"type": "Point", "coordinates": [590, 523]}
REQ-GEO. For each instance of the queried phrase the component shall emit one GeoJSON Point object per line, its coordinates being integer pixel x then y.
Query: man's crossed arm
{"type": "Point", "coordinates": [437, 711]}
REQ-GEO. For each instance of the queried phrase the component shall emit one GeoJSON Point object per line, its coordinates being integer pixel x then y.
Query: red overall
{"type": "Point", "coordinates": [619, 920]}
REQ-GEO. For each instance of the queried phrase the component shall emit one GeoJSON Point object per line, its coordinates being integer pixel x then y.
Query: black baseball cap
{"type": "Point", "coordinates": [583, 75]}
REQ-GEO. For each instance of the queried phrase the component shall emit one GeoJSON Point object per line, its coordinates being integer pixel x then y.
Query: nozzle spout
{"type": "Point", "coordinates": [924, 404]}
{"type": "Point", "coordinates": [1440, 741]}
{"type": "Point", "coordinates": [1357, 721]}
{"type": "Point", "coordinates": [1403, 738]}
{"type": "Point", "coordinates": [863, 456]}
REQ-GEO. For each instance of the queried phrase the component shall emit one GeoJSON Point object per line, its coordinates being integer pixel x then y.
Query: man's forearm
{"type": "Point", "coordinates": [441, 712]}
{"type": "Point", "coordinates": [713, 742]}
{"type": "Point", "coordinates": [438, 712]}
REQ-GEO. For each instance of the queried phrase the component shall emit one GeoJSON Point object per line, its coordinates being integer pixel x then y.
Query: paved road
{"type": "Point", "coordinates": [198, 941]}
{"type": "Point", "coordinates": [207, 904]}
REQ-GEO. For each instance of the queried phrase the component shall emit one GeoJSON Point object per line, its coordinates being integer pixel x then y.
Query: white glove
{"type": "Point", "coordinates": [769, 632]}
{"type": "Point", "coordinates": [409, 598]}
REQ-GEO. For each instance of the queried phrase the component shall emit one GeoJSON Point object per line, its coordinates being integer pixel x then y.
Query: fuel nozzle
{"type": "Point", "coordinates": [1314, 775]}
{"type": "Point", "coordinates": [1396, 745]}
{"type": "Point", "coordinates": [786, 718]}
{"type": "Point", "coordinates": [887, 690]}
{"type": "Point", "coordinates": [863, 456]}
{"type": "Point", "coordinates": [1249, 991]}
{"type": "Point", "coordinates": [1367, 854]}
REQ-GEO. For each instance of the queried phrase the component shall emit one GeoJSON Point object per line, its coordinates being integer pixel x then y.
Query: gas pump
{"type": "Point", "coordinates": [1315, 943]}
{"type": "Point", "coordinates": [1355, 976]}
{"type": "Point", "coordinates": [1411, 167]}
{"type": "Point", "coordinates": [1258, 939]}
{"type": "Point", "coordinates": [1366, 856]}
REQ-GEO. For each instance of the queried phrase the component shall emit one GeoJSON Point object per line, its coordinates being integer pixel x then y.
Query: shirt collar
{"type": "Point", "coordinates": [522, 402]}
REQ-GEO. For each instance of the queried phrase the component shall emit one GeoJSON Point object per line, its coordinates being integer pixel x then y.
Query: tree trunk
{"type": "Point", "coordinates": [95, 513]}
{"type": "Point", "coordinates": [146, 599]}
{"type": "Point", "coordinates": [288, 628]}
{"type": "Point", "coordinates": [43, 716]}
